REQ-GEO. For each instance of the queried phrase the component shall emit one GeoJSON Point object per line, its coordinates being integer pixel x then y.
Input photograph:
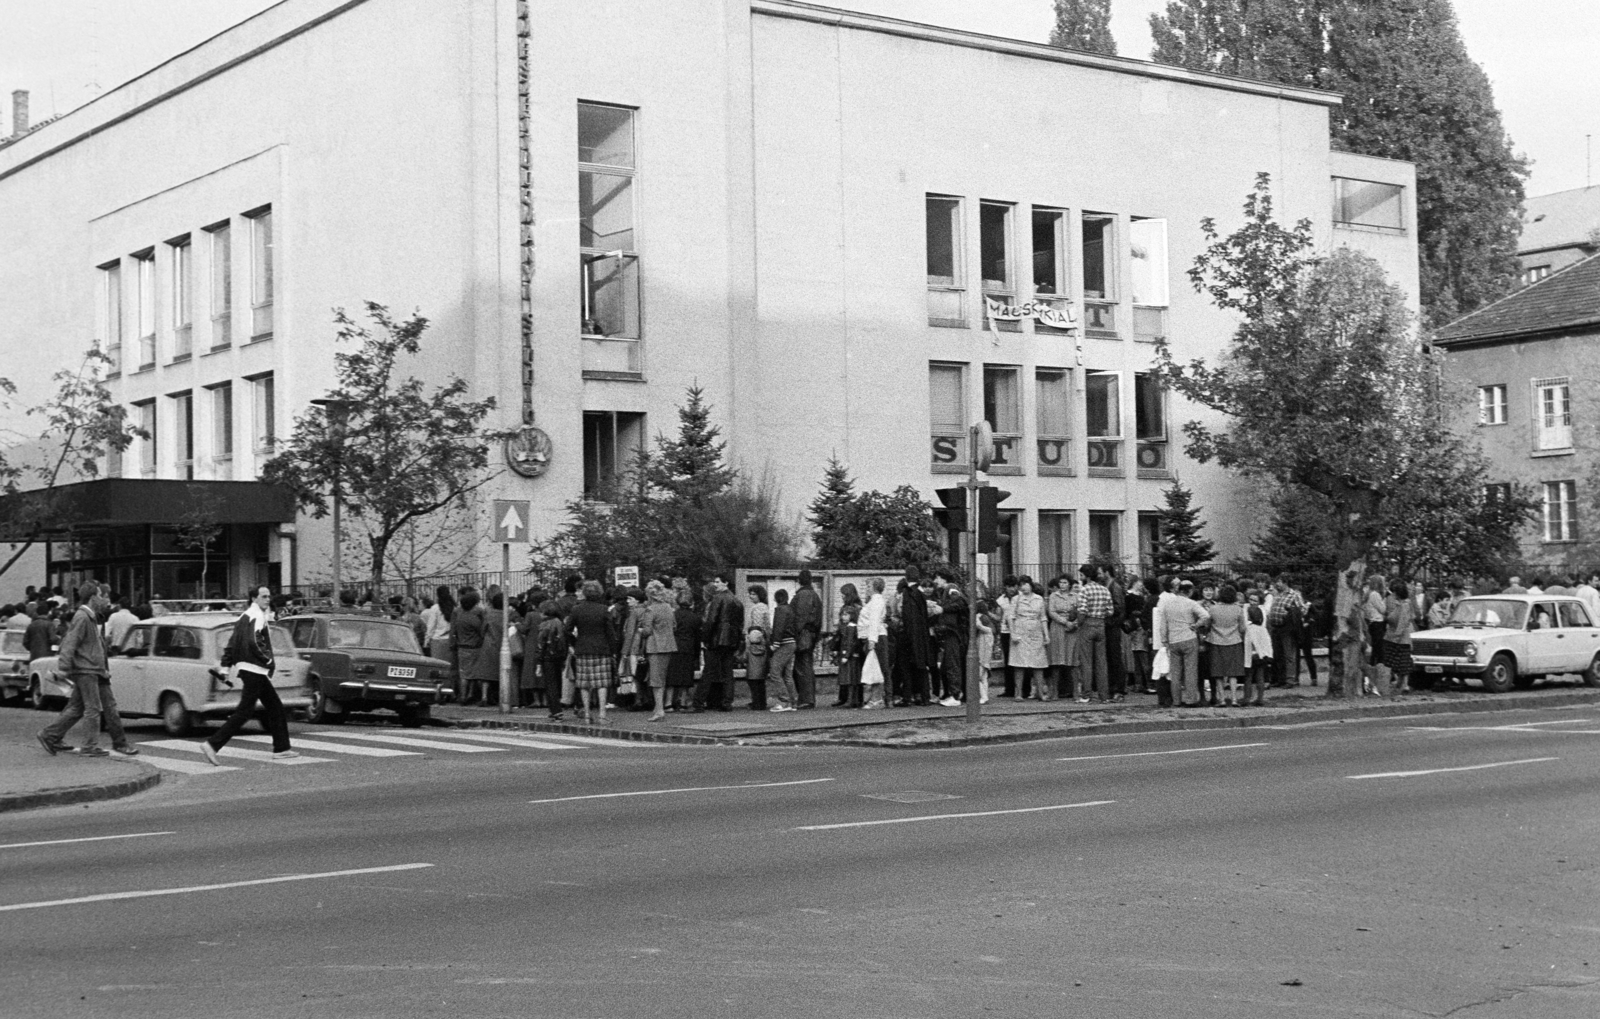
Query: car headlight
{"type": "Point", "coordinates": [1472, 649]}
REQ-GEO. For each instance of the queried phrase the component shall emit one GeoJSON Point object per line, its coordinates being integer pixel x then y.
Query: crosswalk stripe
{"type": "Point", "coordinates": [186, 767]}
{"type": "Point", "coordinates": [412, 741]}
{"type": "Point", "coordinates": [598, 741]}
{"type": "Point", "coordinates": [191, 747]}
{"type": "Point", "coordinates": [337, 748]}
{"type": "Point", "coordinates": [514, 741]}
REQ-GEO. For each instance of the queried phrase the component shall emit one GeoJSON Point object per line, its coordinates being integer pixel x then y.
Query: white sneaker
{"type": "Point", "coordinates": [785, 707]}
{"type": "Point", "coordinates": [983, 700]}
{"type": "Point", "coordinates": [950, 702]}
{"type": "Point", "coordinates": [210, 752]}
{"type": "Point", "coordinates": [283, 755]}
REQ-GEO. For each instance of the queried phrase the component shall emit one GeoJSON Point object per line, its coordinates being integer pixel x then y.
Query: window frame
{"type": "Point", "coordinates": [1151, 452]}
{"type": "Point", "coordinates": [1565, 515]}
{"type": "Point", "coordinates": [1064, 522]}
{"type": "Point", "coordinates": [946, 293]}
{"type": "Point", "coordinates": [629, 263]}
{"type": "Point", "coordinates": [180, 292]}
{"type": "Point", "coordinates": [1100, 306]}
{"type": "Point", "coordinates": [1061, 440]}
{"type": "Point", "coordinates": [621, 455]}
{"type": "Point", "coordinates": [1492, 411]}
{"type": "Point", "coordinates": [183, 458]}
{"type": "Point", "coordinates": [222, 424]}
{"type": "Point", "coordinates": [955, 435]}
{"type": "Point", "coordinates": [219, 287]}
{"type": "Point", "coordinates": [146, 415]}
{"type": "Point", "coordinates": [263, 272]}
{"type": "Point", "coordinates": [1115, 518]}
{"type": "Point", "coordinates": [112, 314]}
{"type": "Point", "coordinates": [1005, 287]}
{"type": "Point", "coordinates": [1546, 437]}
{"type": "Point", "coordinates": [1007, 457]}
{"type": "Point", "coordinates": [1341, 204]}
{"type": "Point", "coordinates": [146, 321]}
{"type": "Point", "coordinates": [263, 409]}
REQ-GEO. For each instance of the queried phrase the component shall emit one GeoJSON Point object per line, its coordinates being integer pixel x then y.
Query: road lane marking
{"type": "Point", "coordinates": [153, 892]}
{"type": "Point", "coordinates": [1158, 753]}
{"type": "Point", "coordinates": [950, 817]}
{"type": "Point", "coordinates": [185, 767]}
{"type": "Point", "coordinates": [92, 838]}
{"type": "Point", "coordinates": [412, 741]}
{"type": "Point", "coordinates": [691, 789]}
{"type": "Point", "coordinates": [598, 741]}
{"type": "Point", "coordinates": [1513, 727]}
{"type": "Point", "coordinates": [1439, 771]}
{"type": "Point", "coordinates": [337, 748]}
{"type": "Point", "coordinates": [192, 747]}
{"type": "Point", "coordinates": [512, 741]}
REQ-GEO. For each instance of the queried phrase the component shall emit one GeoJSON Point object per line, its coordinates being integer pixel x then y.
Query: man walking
{"type": "Point", "coordinates": [249, 654]}
{"type": "Point", "coordinates": [807, 608]}
{"type": "Point", "coordinates": [82, 659]}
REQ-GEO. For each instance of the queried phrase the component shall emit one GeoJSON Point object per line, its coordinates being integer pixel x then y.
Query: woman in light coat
{"type": "Point", "coordinates": [1030, 634]}
{"type": "Point", "coordinates": [1062, 608]}
{"type": "Point", "coordinates": [657, 627]}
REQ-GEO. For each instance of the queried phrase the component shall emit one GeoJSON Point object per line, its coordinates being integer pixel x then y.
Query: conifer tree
{"type": "Point", "coordinates": [690, 469]}
{"type": "Point", "coordinates": [830, 511]}
{"type": "Point", "coordinates": [1084, 25]}
{"type": "Point", "coordinates": [1410, 92]}
{"type": "Point", "coordinates": [1181, 549]}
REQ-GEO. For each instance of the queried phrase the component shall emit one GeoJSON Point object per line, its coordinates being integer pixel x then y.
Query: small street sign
{"type": "Point", "coordinates": [510, 520]}
{"type": "Point", "coordinates": [627, 576]}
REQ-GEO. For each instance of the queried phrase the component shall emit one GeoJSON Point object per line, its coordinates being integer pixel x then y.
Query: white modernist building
{"type": "Point", "coordinates": [857, 234]}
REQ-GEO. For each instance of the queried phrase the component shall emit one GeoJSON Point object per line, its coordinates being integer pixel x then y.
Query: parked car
{"type": "Point", "coordinates": [367, 663]}
{"type": "Point", "coordinates": [13, 665]}
{"type": "Point", "coordinates": [1507, 640]}
{"type": "Point", "coordinates": [172, 606]}
{"type": "Point", "coordinates": [170, 667]}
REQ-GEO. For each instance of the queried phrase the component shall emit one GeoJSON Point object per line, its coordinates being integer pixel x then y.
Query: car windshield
{"type": "Point", "coordinates": [1491, 612]}
{"type": "Point", "coordinates": [377, 635]}
{"type": "Point", "coordinates": [11, 642]}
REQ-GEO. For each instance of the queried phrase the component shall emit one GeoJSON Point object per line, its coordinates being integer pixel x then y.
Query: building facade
{"type": "Point", "coordinates": [857, 235]}
{"type": "Point", "coordinates": [1558, 229]}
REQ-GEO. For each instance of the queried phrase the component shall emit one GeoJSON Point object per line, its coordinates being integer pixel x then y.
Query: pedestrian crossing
{"type": "Point", "coordinates": [183, 756]}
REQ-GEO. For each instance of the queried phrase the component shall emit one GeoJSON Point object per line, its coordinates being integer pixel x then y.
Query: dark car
{"type": "Point", "coordinates": [367, 663]}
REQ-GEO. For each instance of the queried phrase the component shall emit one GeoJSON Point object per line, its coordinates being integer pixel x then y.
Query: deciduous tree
{"type": "Point", "coordinates": [1084, 25]}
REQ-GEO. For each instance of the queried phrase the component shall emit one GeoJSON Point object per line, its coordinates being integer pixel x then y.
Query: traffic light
{"type": "Point", "coordinates": [989, 500]}
{"type": "Point", "coordinates": [953, 515]}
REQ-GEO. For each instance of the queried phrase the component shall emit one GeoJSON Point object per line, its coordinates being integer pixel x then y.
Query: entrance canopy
{"type": "Point", "coordinates": [119, 502]}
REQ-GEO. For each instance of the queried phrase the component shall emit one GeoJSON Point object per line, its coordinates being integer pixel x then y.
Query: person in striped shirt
{"type": "Point", "coordinates": [1286, 612]}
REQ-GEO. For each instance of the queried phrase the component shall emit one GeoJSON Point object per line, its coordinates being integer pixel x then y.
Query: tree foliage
{"type": "Point", "coordinates": [198, 529]}
{"type": "Point", "coordinates": [399, 452]}
{"type": "Point", "coordinates": [683, 511]}
{"type": "Point", "coordinates": [1181, 548]}
{"type": "Point", "coordinates": [1324, 389]}
{"type": "Point", "coordinates": [82, 423]}
{"type": "Point", "coordinates": [1084, 25]}
{"type": "Point", "coordinates": [872, 530]}
{"type": "Point", "coordinates": [1410, 92]}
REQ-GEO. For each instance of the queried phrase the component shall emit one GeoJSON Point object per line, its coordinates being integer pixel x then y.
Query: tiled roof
{"type": "Point", "coordinates": [1568, 299]}
{"type": "Point", "coordinates": [1559, 220]}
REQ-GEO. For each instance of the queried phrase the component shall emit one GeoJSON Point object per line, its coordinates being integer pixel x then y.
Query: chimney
{"type": "Point", "coordinates": [19, 112]}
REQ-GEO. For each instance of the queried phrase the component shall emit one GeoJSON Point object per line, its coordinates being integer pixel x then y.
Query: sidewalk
{"type": "Point", "coordinates": [1006, 720]}
{"type": "Point", "coordinates": [29, 777]}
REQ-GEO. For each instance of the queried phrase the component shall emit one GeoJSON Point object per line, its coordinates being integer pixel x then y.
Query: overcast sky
{"type": "Point", "coordinates": [1540, 54]}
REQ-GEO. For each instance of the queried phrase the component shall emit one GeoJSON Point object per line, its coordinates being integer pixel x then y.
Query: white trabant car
{"type": "Point", "coordinates": [170, 667]}
{"type": "Point", "coordinates": [1509, 640]}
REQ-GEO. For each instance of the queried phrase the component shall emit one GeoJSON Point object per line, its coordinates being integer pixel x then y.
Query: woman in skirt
{"type": "Point", "coordinates": [591, 632]}
{"type": "Point", "coordinates": [1399, 622]}
{"type": "Point", "coordinates": [1226, 646]}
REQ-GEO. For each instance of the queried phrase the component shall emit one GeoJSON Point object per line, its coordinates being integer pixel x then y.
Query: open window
{"type": "Point", "coordinates": [1147, 277]}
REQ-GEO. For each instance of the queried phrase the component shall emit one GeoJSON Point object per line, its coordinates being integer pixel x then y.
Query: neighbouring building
{"type": "Point", "coordinates": [1533, 361]}
{"type": "Point", "coordinates": [1557, 230]}
{"type": "Point", "coordinates": [858, 234]}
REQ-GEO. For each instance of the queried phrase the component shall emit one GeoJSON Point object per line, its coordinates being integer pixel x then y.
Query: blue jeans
{"type": "Point", "coordinates": [1184, 657]}
{"type": "Point", "coordinates": [91, 701]}
{"type": "Point", "coordinates": [1092, 646]}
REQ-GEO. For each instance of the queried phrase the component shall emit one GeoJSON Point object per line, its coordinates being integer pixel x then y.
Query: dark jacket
{"type": "Point", "coordinates": [249, 647]}
{"type": "Point", "coordinates": [83, 652]}
{"type": "Point", "coordinates": [952, 620]}
{"type": "Point", "coordinates": [686, 630]}
{"type": "Point", "coordinates": [914, 627]}
{"type": "Point", "coordinates": [39, 638]}
{"type": "Point", "coordinates": [470, 628]}
{"type": "Point", "coordinates": [783, 627]}
{"type": "Point", "coordinates": [724, 621]}
{"type": "Point", "coordinates": [590, 630]}
{"type": "Point", "coordinates": [807, 608]}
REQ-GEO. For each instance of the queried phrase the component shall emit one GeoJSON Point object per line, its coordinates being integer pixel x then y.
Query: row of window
{"type": "Point", "coordinates": [1046, 282]}
{"type": "Point", "coordinates": [1056, 423]}
{"type": "Point", "coordinates": [1058, 552]}
{"type": "Point", "coordinates": [1551, 403]}
{"type": "Point", "coordinates": [206, 450]}
{"type": "Point", "coordinates": [1559, 507]}
{"type": "Point", "coordinates": [165, 293]}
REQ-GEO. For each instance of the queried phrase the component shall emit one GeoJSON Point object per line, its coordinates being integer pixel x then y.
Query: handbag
{"type": "Point", "coordinates": [1161, 664]}
{"type": "Point", "coordinates": [514, 638]}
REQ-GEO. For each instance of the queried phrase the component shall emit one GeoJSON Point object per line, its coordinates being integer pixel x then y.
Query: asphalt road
{"type": "Point", "coordinates": [1334, 870]}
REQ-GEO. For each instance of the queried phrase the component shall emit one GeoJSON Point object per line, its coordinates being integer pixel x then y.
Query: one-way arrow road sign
{"type": "Point", "coordinates": [510, 520]}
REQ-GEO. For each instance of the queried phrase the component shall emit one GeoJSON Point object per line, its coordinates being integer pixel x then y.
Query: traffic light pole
{"type": "Point", "coordinates": [972, 486]}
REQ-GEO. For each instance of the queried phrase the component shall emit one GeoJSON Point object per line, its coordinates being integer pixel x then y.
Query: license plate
{"type": "Point", "coordinates": [396, 672]}
{"type": "Point", "coordinates": [1433, 668]}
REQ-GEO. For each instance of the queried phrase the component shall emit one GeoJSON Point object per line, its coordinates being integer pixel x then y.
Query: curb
{"type": "Point", "coordinates": [1303, 716]}
{"type": "Point", "coordinates": [620, 735]}
{"type": "Point", "coordinates": [80, 793]}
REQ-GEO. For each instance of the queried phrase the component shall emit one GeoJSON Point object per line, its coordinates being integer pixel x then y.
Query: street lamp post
{"type": "Point", "coordinates": [338, 412]}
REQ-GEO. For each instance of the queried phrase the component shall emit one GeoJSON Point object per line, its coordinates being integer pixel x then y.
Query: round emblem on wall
{"type": "Point", "coordinates": [528, 452]}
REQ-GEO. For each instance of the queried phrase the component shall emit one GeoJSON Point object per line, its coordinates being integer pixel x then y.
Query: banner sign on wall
{"type": "Point", "coordinates": [1055, 318]}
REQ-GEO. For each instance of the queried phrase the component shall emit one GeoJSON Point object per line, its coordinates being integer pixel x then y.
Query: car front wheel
{"type": "Point", "coordinates": [318, 713]}
{"type": "Point", "coordinates": [1591, 675]}
{"type": "Point", "coordinates": [175, 718]}
{"type": "Point", "coordinates": [1501, 673]}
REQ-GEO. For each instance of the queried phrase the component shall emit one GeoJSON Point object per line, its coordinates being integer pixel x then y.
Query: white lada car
{"type": "Point", "coordinates": [1509, 640]}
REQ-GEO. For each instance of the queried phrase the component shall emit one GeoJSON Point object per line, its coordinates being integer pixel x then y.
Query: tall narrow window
{"type": "Point", "coordinates": [1150, 423]}
{"type": "Point", "coordinates": [994, 247]}
{"type": "Point", "coordinates": [183, 434]}
{"type": "Point", "coordinates": [1002, 408]}
{"type": "Point", "coordinates": [946, 280]}
{"type": "Point", "coordinates": [1102, 398]}
{"type": "Point", "coordinates": [608, 259]}
{"type": "Point", "coordinates": [266, 424]}
{"type": "Point", "coordinates": [261, 274]}
{"type": "Point", "coordinates": [182, 298]}
{"type": "Point", "coordinates": [1147, 276]}
{"type": "Point", "coordinates": [947, 384]}
{"type": "Point", "coordinates": [1049, 253]}
{"type": "Point", "coordinates": [1552, 409]}
{"type": "Point", "coordinates": [222, 423]}
{"type": "Point", "coordinates": [1099, 281]}
{"type": "Point", "coordinates": [1149, 539]}
{"type": "Point", "coordinates": [144, 414]}
{"type": "Point", "coordinates": [1560, 511]}
{"type": "Point", "coordinates": [1491, 405]}
{"type": "Point", "coordinates": [1105, 535]}
{"type": "Point", "coordinates": [1055, 544]}
{"type": "Point", "coordinates": [1053, 412]}
{"type": "Point", "coordinates": [221, 285]}
{"type": "Point", "coordinates": [145, 263]}
{"type": "Point", "coordinates": [111, 314]}
{"type": "Point", "coordinates": [611, 443]}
